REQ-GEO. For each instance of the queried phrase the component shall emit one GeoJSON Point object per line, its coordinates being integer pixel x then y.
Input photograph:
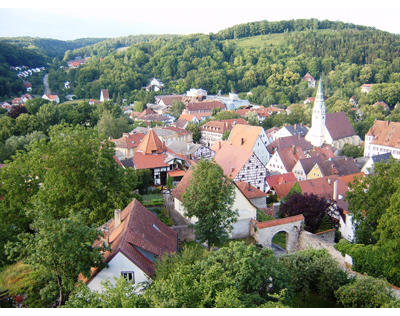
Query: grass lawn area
{"type": "Point", "coordinates": [260, 41]}
{"type": "Point", "coordinates": [152, 196]}
{"type": "Point", "coordinates": [280, 240]}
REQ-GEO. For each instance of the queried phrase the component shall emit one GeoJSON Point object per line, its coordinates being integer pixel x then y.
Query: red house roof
{"type": "Point", "coordinates": [249, 191]}
{"type": "Point", "coordinates": [280, 179]}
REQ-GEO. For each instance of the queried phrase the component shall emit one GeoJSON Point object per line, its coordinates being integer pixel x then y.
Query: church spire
{"type": "Point", "coordinates": [316, 133]}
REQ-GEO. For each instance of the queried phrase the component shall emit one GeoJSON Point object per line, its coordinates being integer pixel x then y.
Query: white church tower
{"type": "Point", "coordinates": [316, 133]}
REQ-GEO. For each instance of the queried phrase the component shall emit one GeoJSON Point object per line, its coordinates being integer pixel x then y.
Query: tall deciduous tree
{"type": "Point", "coordinates": [176, 108]}
{"type": "Point", "coordinates": [210, 197]}
{"type": "Point", "coordinates": [109, 126]}
{"type": "Point", "coordinates": [195, 130]}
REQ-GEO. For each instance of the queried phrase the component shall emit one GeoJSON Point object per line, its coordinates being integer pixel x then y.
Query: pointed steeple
{"type": "Point", "coordinates": [317, 131]}
{"type": "Point", "coordinates": [151, 144]}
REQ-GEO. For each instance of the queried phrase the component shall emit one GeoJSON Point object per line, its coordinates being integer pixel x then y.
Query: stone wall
{"type": "Point", "coordinates": [309, 240]}
{"type": "Point", "coordinates": [327, 235]}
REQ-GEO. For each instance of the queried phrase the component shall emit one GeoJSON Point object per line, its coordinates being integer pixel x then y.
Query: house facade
{"type": "Point", "coordinates": [214, 130]}
{"type": "Point", "coordinates": [247, 211]}
{"type": "Point", "coordinates": [251, 138]}
{"type": "Point", "coordinates": [383, 137]}
{"type": "Point", "coordinates": [136, 238]}
{"type": "Point", "coordinates": [283, 160]}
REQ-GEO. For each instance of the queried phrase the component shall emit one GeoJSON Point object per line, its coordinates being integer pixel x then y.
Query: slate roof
{"type": "Point", "coordinates": [297, 129]}
{"type": "Point", "coordinates": [381, 157]}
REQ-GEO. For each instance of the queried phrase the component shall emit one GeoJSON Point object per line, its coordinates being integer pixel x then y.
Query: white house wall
{"type": "Point", "coordinates": [346, 227]}
{"type": "Point", "coordinates": [113, 272]}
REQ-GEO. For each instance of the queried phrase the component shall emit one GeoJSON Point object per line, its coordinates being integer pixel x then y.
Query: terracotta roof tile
{"type": "Point", "coordinates": [207, 106]}
{"type": "Point", "coordinates": [249, 191]}
{"type": "Point", "coordinates": [280, 221]}
{"type": "Point", "coordinates": [283, 189]}
{"type": "Point", "coordinates": [290, 155]}
{"type": "Point", "coordinates": [280, 179]}
{"type": "Point", "coordinates": [289, 141]}
{"type": "Point", "coordinates": [151, 144]}
{"type": "Point", "coordinates": [142, 161]}
{"type": "Point", "coordinates": [385, 133]}
{"type": "Point", "coordinates": [128, 140]}
{"type": "Point", "coordinates": [339, 166]}
{"type": "Point", "coordinates": [222, 125]}
{"type": "Point", "coordinates": [182, 185]}
{"type": "Point", "coordinates": [244, 136]}
{"type": "Point", "coordinates": [232, 159]}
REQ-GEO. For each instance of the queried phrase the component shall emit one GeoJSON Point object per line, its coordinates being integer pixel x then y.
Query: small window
{"type": "Point", "coordinates": [248, 168]}
{"type": "Point", "coordinates": [129, 276]}
{"type": "Point", "coordinates": [256, 167]}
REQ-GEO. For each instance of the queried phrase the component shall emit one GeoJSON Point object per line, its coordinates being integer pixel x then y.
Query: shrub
{"type": "Point", "coordinates": [364, 292]}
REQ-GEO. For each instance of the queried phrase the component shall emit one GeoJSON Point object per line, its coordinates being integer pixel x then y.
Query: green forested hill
{"type": "Point", "coordinates": [50, 47]}
{"type": "Point", "coordinates": [239, 59]}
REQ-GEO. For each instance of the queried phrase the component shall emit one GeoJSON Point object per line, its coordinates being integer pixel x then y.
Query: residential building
{"type": "Point", "coordinates": [168, 134]}
{"type": "Point", "coordinates": [339, 166]}
{"type": "Point", "coordinates": [303, 167]}
{"type": "Point", "coordinates": [310, 80]}
{"type": "Point", "coordinates": [283, 160]}
{"type": "Point", "coordinates": [290, 141]}
{"type": "Point", "coordinates": [257, 197]}
{"type": "Point", "coordinates": [278, 179]}
{"type": "Point", "coordinates": [127, 144]}
{"type": "Point", "coordinates": [241, 164]}
{"type": "Point", "coordinates": [166, 100]}
{"type": "Point", "coordinates": [251, 138]}
{"type": "Point", "coordinates": [51, 97]}
{"type": "Point", "coordinates": [292, 130]}
{"type": "Point", "coordinates": [366, 164]}
{"type": "Point", "coordinates": [366, 87]}
{"type": "Point", "coordinates": [191, 151]}
{"type": "Point", "coordinates": [152, 154]}
{"type": "Point", "coordinates": [247, 211]}
{"type": "Point", "coordinates": [383, 137]}
{"type": "Point", "coordinates": [213, 131]}
{"type": "Point", "coordinates": [203, 107]}
{"type": "Point", "coordinates": [154, 85]}
{"type": "Point", "coordinates": [137, 239]}
{"type": "Point", "coordinates": [104, 96]}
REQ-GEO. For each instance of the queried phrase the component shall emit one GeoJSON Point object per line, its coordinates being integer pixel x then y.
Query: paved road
{"type": "Point", "coordinates": [46, 84]}
{"type": "Point", "coordinates": [278, 250]}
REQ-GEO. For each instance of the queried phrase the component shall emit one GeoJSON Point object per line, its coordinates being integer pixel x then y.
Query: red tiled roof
{"type": "Point", "coordinates": [249, 191]}
{"type": "Point", "coordinates": [183, 184]}
{"type": "Point", "coordinates": [186, 117]}
{"type": "Point", "coordinates": [385, 133]}
{"type": "Point", "coordinates": [308, 76]}
{"type": "Point", "coordinates": [176, 173]}
{"type": "Point", "coordinates": [243, 112]}
{"type": "Point", "coordinates": [168, 99]}
{"type": "Point", "coordinates": [222, 125]}
{"type": "Point", "coordinates": [179, 131]}
{"type": "Point", "coordinates": [283, 189]}
{"type": "Point", "coordinates": [232, 159]}
{"type": "Point", "coordinates": [280, 179]}
{"type": "Point", "coordinates": [340, 166]}
{"type": "Point", "coordinates": [280, 221]}
{"type": "Point", "coordinates": [350, 178]}
{"type": "Point", "coordinates": [118, 161]}
{"type": "Point", "coordinates": [137, 228]}
{"type": "Point", "coordinates": [151, 144]}
{"type": "Point", "coordinates": [142, 161]}
{"type": "Point", "coordinates": [205, 106]}
{"type": "Point", "coordinates": [202, 115]}
{"type": "Point", "coordinates": [290, 155]}
{"type": "Point", "coordinates": [289, 141]}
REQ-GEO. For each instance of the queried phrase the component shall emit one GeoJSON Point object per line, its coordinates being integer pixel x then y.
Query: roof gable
{"type": "Point", "coordinates": [339, 126]}
{"type": "Point", "coordinates": [232, 159]}
{"type": "Point", "coordinates": [151, 144]}
{"type": "Point", "coordinates": [244, 136]}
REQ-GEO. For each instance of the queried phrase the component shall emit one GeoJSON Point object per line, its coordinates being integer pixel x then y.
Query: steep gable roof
{"type": "Point", "coordinates": [141, 228]}
{"type": "Point", "coordinates": [105, 94]}
{"type": "Point", "coordinates": [338, 166]}
{"type": "Point", "coordinates": [232, 159]}
{"type": "Point", "coordinates": [308, 163]}
{"type": "Point", "coordinates": [339, 125]}
{"type": "Point", "coordinates": [151, 144]}
{"type": "Point", "coordinates": [128, 140]}
{"type": "Point", "coordinates": [290, 155]}
{"type": "Point", "coordinates": [244, 136]}
{"type": "Point", "coordinates": [182, 185]}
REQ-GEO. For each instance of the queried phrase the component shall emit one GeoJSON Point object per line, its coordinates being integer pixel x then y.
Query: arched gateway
{"type": "Point", "coordinates": [263, 232]}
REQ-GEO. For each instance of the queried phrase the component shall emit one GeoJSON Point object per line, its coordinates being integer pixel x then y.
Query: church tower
{"type": "Point", "coordinates": [317, 131]}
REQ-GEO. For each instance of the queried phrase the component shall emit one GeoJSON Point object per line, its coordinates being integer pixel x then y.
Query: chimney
{"type": "Point", "coordinates": [335, 188]}
{"type": "Point", "coordinates": [117, 218]}
{"type": "Point", "coordinates": [242, 141]}
{"type": "Point", "coordinates": [219, 144]}
{"type": "Point", "coordinates": [293, 149]}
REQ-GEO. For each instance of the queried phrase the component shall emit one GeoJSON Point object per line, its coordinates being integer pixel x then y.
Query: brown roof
{"type": "Point", "coordinates": [308, 76]}
{"type": "Point", "coordinates": [289, 141]}
{"type": "Point", "coordinates": [385, 133]}
{"type": "Point", "coordinates": [339, 166]}
{"type": "Point", "coordinates": [244, 136]}
{"type": "Point", "coordinates": [179, 131]}
{"type": "Point", "coordinates": [202, 115]}
{"type": "Point", "coordinates": [249, 191]}
{"type": "Point", "coordinates": [232, 159]}
{"type": "Point", "coordinates": [168, 99]}
{"type": "Point", "coordinates": [325, 152]}
{"type": "Point", "coordinates": [138, 228]}
{"type": "Point", "coordinates": [186, 117]}
{"type": "Point", "coordinates": [243, 112]}
{"type": "Point", "coordinates": [181, 123]}
{"type": "Point", "coordinates": [105, 94]}
{"type": "Point", "coordinates": [290, 155]}
{"type": "Point", "coordinates": [222, 125]}
{"type": "Point", "coordinates": [128, 140]}
{"type": "Point", "coordinates": [283, 189]}
{"type": "Point", "coordinates": [309, 163]}
{"type": "Point", "coordinates": [151, 144]}
{"type": "Point", "coordinates": [339, 125]}
{"type": "Point", "coordinates": [176, 173]}
{"type": "Point", "coordinates": [350, 178]}
{"type": "Point", "coordinates": [207, 106]}
{"type": "Point", "coordinates": [182, 185]}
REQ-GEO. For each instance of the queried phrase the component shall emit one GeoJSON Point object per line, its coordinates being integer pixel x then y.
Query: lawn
{"type": "Point", "coordinates": [260, 41]}
{"type": "Point", "coordinates": [152, 196]}
{"type": "Point", "coordinates": [280, 240]}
